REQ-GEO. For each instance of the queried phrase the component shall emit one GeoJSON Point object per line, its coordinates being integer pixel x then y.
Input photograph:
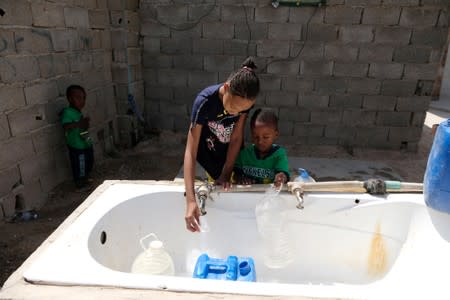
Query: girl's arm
{"type": "Point", "coordinates": [237, 136]}
{"type": "Point", "coordinates": [192, 216]}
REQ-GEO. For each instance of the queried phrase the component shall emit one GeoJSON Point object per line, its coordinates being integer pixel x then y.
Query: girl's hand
{"type": "Point", "coordinates": [225, 183]}
{"type": "Point", "coordinates": [192, 217]}
{"type": "Point", "coordinates": [245, 180]}
{"type": "Point", "coordinates": [279, 179]}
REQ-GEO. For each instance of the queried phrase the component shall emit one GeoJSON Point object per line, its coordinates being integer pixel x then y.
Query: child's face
{"type": "Point", "coordinates": [235, 104]}
{"type": "Point", "coordinates": [77, 99]}
{"type": "Point", "coordinates": [263, 136]}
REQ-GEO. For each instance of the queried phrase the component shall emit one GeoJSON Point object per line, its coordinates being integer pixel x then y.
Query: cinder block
{"type": "Point", "coordinates": [165, 61]}
{"type": "Point", "coordinates": [271, 48]}
{"type": "Point", "coordinates": [379, 103]}
{"type": "Point", "coordinates": [285, 31]}
{"type": "Point", "coordinates": [307, 50]}
{"type": "Point", "coordinates": [346, 101]}
{"type": "Point", "coordinates": [326, 117]}
{"type": "Point", "coordinates": [33, 41]}
{"type": "Point", "coordinates": [48, 138]}
{"type": "Point", "coordinates": [434, 37]}
{"type": "Point", "coordinates": [444, 18]}
{"type": "Point", "coordinates": [12, 97]}
{"type": "Point", "coordinates": [364, 86]}
{"type": "Point", "coordinates": [172, 77]}
{"type": "Point", "coordinates": [283, 67]}
{"type": "Point", "coordinates": [27, 119]}
{"type": "Point", "coordinates": [356, 34]}
{"type": "Point", "coordinates": [341, 133]}
{"type": "Point", "coordinates": [363, 3]}
{"type": "Point", "coordinates": [33, 196]}
{"type": "Point", "coordinates": [8, 205]}
{"type": "Point", "coordinates": [4, 128]}
{"type": "Point", "coordinates": [132, 21]}
{"type": "Point", "coordinates": [184, 46]}
{"type": "Point", "coordinates": [322, 32]}
{"type": "Point", "coordinates": [53, 64]}
{"type": "Point", "coordinates": [418, 119]}
{"type": "Point", "coordinates": [172, 14]}
{"type": "Point", "coordinates": [306, 15]}
{"type": "Point", "coordinates": [201, 79]}
{"type": "Point", "coordinates": [405, 134]}
{"type": "Point", "coordinates": [35, 166]}
{"type": "Point", "coordinates": [412, 17]}
{"type": "Point", "coordinates": [268, 14]}
{"type": "Point", "coordinates": [414, 103]}
{"type": "Point", "coordinates": [195, 32]}
{"type": "Point", "coordinates": [350, 69]}
{"type": "Point", "coordinates": [7, 45]}
{"type": "Point", "coordinates": [10, 178]}
{"type": "Point", "coordinates": [330, 86]}
{"type": "Point", "coordinates": [393, 35]}
{"type": "Point", "coordinates": [18, 68]}
{"type": "Point", "coordinates": [218, 30]}
{"type": "Point", "coordinates": [173, 109]}
{"type": "Point", "coordinates": [105, 39]}
{"type": "Point", "coordinates": [421, 71]}
{"type": "Point", "coordinates": [134, 56]}
{"type": "Point", "coordinates": [312, 101]}
{"type": "Point", "coordinates": [42, 92]}
{"type": "Point", "coordinates": [229, 13]}
{"type": "Point", "coordinates": [98, 18]}
{"type": "Point", "coordinates": [343, 15]}
{"type": "Point", "coordinates": [76, 17]}
{"type": "Point", "coordinates": [399, 87]}
{"type": "Point", "coordinates": [15, 150]}
{"type": "Point", "coordinates": [217, 63]}
{"type": "Point", "coordinates": [371, 136]}
{"type": "Point", "coordinates": [376, 53]}
{"type": "Point", "coordinates": [281, 99]}
{"type": "Point", "coordinates": [295, 114]}
{"type": "Point", "coordinates": [259, 31]}
{"type": "Point", "coordinates": [386, 70]}
{"type": "Point", "coordinates": [401, 2]}
{"type": "Point", "coordinates": [212, 13]}
{"type": "Point", "coordinates": [285, 128]}
{"type": "Point", "coordinates": [291, 83]}
{"type": "Point", "coordinates": [316, 69]}
{"type": "Point", "coordinates": [269, 82]}
{"type": "Point", "coordinates": [340, 52]}
{"type": "Point", "coordinates": [381, 15]}
{"type": "Point", "coordinates": [239, 47]}
{"type": "Point", "coordinates": [47, 14]}
{"type": "Point", "coordinates": [64, 40]}
{"type": "Point", "coordinates": [16, 13]}
{"type": "Point", "coordinates": [154, 30]}
{"type": "Point", "coordinates": [308, 130]}
{"type": "Point", "coordinates": [412, 54]}
{"type": "Point", "coordinates": [393, 118]}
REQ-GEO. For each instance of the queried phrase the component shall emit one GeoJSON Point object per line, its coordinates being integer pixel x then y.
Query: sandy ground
{"type": "Point", "coordinates": [160, 158]}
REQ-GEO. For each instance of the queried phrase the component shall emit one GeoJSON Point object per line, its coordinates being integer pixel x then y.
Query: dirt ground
{"type": "Point", "coordinates": [160, 158]}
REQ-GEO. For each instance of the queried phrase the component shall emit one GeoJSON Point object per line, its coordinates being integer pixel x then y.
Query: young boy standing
{"type": "Point", "coordinates": [79, 143]}
{"type": "Point", "coordinates": [263, 161]}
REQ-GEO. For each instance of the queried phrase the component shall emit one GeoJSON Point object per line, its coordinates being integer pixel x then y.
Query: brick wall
{"type": "Point", "coordinates": [44, 47]}
{"type": "Point", "coordinates": [353, 73]}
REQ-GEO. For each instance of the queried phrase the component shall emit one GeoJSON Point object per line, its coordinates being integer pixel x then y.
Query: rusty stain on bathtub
{"type": "Point", "coordinates": [377, 261]}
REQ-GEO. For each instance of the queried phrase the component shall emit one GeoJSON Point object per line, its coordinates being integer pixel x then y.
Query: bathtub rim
{"type": "Point", "coordinates": [17, 279]}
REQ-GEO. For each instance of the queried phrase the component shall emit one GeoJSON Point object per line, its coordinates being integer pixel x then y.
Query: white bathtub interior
{"type": "Point", "coordinates": [345, 244]}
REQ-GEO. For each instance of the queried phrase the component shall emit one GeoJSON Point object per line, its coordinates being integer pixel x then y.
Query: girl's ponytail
{"type": "Point", "coordinates": [244, 82]}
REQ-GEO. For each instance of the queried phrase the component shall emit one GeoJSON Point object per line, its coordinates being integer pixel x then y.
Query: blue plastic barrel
{"type": "Point", "coordinates": [436, 183]}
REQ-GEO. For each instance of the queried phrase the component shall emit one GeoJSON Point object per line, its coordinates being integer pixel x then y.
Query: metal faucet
{"type": "Point", "coordinates": [296, 188]}
{"type": "Point", "coordinates": [203, 193]}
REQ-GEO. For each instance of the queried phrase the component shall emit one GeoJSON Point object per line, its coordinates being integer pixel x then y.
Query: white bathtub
{"type": "Point", "coordinates": [346, 245]}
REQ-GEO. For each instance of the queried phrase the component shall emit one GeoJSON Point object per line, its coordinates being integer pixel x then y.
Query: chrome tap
{"type": "Point", "coordinates": [296, 188]}
{"type": "Point", "coordinates": [203, 193]}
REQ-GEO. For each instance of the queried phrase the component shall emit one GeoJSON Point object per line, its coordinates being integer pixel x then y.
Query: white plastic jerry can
{"type": "Point", "coordinates": [154, 260]}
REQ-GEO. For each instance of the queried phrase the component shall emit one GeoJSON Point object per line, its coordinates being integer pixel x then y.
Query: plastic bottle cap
{"type": "Point", "coordinates": [156, 244]}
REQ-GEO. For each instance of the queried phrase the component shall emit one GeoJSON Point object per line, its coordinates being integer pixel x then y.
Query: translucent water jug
{"type": "Point", "coordinates": [436, 183]}
{"type": "Point", "coordinates": [154, 260]}
{"type": "Point", "coordinates": [303, 176]}
{"type": "Point", "coordinates": [271, 220]}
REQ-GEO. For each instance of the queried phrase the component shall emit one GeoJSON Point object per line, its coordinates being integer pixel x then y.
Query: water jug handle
{"type": "Point", "coordinates": [141, 241]}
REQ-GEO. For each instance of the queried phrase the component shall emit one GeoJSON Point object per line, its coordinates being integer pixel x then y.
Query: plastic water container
{"type": "Point", "coordinates": [154, 260]}
{"type": "Point", "coordinates": [303, 176]}
{"type": "Point", "coordinates": [271, 220]}
{"type": "Point", "coordinates": [233, 268]}
{"type": "Point", "coordinates": [436, 183]}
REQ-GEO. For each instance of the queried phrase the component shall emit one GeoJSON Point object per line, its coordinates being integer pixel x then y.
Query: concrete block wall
{"type": "Point", "coordinates": [44, 47]}
{"type": "Point", "coordinates": [352, 73]}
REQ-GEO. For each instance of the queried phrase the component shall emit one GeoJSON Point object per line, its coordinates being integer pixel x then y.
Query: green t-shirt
{"type": "Point", "coordinates": [73, 137]}
{"type": "Point", "coordinates": [262, 170]}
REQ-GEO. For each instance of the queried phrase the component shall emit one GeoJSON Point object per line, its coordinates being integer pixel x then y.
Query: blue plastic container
{"type": "Point", "coordinates": [233, 268]}
{"type": "Point", "coordinates": [436, 183]}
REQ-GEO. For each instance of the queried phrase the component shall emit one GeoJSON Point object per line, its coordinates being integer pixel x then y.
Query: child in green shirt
{"type": "Point", "coordinates": [79, 143]}
{"type": "Point", "coordinates": [263, 161]}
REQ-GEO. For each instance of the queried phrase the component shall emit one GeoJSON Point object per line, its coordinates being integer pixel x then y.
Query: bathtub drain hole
{"type": "Point", "coordinates": [356, 201]}
{"type": "Point", "coordinates": [103, 237]}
